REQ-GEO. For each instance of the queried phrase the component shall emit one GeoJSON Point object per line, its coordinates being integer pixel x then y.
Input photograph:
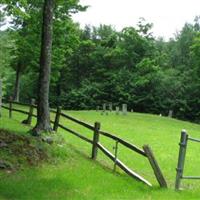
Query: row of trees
{"type": "Point", "coordinates": [99, 64]}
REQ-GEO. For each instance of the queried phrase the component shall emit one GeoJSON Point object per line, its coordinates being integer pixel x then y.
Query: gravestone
{"type": "Point", "coordinates": [104, 111]}
{"type": "Point", "coordinates": [124, 109]}
{"type": "Point", "coordinates": [97, 108]}
{"type": "Point", "coordinates": [0, 96]}
{"type": "Point", "coordinates": [117, 110]}
{"type": "Point", "coordinates": [131, 110]}
{"type": "Point", "coordinates": [170, 113]}
{"type": "Point", "coordinates": [110, 107]}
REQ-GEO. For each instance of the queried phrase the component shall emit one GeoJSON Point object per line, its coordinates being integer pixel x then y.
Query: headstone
{"type": "Point", "coordinates": [110, 107]}
{"type": "Point", "coordinates": [104, 111]}
{"type": "Point", "coordinates": [97, 108]}
{"type": "Point", "coordinates": [124, 109]}
{"type": "Point", "coordinates": [131, 110]}
{"type": "Point", "coordinates": [170, 113]}
{"type": "Point", "coordinates": [0, 96]}
{"type": "Point", "coordinates": [117, 110]}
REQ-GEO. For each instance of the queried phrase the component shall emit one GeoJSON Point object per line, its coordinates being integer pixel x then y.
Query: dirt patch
{"type": "Point", "coordinates": [19, 150]}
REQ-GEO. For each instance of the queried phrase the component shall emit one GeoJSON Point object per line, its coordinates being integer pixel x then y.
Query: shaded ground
{"type": "Point", "coordinates": [17, 150]}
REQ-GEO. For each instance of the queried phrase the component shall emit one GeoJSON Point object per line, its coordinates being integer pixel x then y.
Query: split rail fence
{"type": "Point", "coordinates": [146, 152]}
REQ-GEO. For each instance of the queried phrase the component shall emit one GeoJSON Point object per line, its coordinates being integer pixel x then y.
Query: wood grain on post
{"type": "Point", "coordinates": [181, 158]}
{"type": "Point", "coordinates": [157, 171]}
{"type": "Point", "coordinates": [10, 107]}
{"type": "Point", "coordinates": [116, 153]}
{"type": "Point", "coordinates": [57, 119]}
{"type": "Point", "coordinates": [95, 140]}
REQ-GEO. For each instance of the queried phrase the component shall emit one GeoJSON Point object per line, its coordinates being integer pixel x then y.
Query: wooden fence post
{"type": "Point", "coordinates": [57, 119]}
{"type": "Point", "coordinates": [95, 140]}
{"type": "Point", "coordinates": [116, 153]}
{"type": "Point", "coordinates": [157, 171]}
{"type": "Point", "coordinates": [181, 158]}
{"type": "Point", "coordinates": [30, 115]}
{"type": "Point", "coordinates": [10, 107]}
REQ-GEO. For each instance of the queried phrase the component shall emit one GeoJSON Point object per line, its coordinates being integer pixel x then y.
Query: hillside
{"type": "Point", "coordinates": [71, 174]}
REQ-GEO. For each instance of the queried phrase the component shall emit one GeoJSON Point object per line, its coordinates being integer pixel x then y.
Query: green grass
{"type": "Point", "coordinates": [76, 176]}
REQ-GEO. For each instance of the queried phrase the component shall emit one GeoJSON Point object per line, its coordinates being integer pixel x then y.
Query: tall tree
{"type": "Point", "coordinates": [43, 116]}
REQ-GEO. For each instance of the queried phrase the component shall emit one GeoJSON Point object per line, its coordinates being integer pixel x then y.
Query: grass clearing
{"type": "Point", "coordinates": [75, 176]}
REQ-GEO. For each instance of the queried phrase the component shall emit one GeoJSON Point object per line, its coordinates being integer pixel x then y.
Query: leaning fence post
{"type": "Point", "coordinates": [10, 107]}
{"type": "Point", "coordinates": [154, 164]}
{"type": "Point", "coordinates": [95, 140]}
{"type": "Point", "coordinates": [181, 158]}
{"type": "Point", "coordinates": [57, 119]}
{"type": "Point", "coordinates": [30, 115]}
{"type": "Point", "coordinates": [116, 153]}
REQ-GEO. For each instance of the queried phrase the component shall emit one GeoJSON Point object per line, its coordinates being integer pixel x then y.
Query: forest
{"type": "Point", "coordinates": [95, 65]}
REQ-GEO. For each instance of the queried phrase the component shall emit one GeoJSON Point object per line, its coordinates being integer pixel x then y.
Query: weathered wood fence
{"type": "Point", "coordinates": [181, 158]}
{"type": "Point", "coordinates": [146, 152]}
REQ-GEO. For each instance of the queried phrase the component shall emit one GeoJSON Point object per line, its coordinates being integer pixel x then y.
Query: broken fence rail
{"type": "Point", "coordinates": [146, 151]}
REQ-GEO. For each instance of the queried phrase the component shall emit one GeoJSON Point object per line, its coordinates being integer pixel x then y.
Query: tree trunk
{"type": "Point", "coordinates": [17, 84]}
{"type": "Point", "coordinates": [43, 114]}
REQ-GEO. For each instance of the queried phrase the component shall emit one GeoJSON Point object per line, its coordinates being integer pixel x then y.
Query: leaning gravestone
{"type": "Point", "coordinates": [124, 109]}
{"type": "Point", "coordinates": [0, 96]}
{"type": "Point", "coordinates": [170, 113]}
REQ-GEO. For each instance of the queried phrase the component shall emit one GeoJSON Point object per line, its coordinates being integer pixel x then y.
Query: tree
{"type": "Point", "coordinates": [43, 116]}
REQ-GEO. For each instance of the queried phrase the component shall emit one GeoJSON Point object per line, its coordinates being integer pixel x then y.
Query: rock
{"type": "Point", "coordinates": [3, 144]}
{"type": "Point", "coordinates": [48, 140]}
{"type": "Point", "coordinates": [5, 165]}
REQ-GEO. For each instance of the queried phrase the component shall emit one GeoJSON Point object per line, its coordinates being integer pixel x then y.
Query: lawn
{"type": "Point", "coordinates": [75, 176]}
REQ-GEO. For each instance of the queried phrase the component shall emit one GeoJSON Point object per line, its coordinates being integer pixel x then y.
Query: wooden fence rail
{"type": "Point", "coordinates": [125, 143]}
{"type": "Point", "coordinates": [78, 121]}
{"type": "Point", "coordinates": [146, 151]}
{"type": "Point", "coordinates": [122, 165]}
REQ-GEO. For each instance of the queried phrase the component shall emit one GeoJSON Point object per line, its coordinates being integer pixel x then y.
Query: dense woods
{"type": "Point", "coordinates": [95, 65]}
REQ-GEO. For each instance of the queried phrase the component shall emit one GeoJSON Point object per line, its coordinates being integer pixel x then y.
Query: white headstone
{"type": "Point", "coordinates": [117, 110]}
{"type": "Point", "coordinates": [104, 111]}
{"type": "Point", "coordinates": [170, 113]}
{"type": "Point", "coordinates": [124, 109]}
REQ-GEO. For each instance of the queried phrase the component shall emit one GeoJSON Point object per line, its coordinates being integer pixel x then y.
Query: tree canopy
{"type": "Point", "coordinates": [93, 65]}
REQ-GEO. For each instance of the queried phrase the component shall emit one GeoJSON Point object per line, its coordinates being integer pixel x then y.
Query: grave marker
{"type": "Point", "coordinates": [110, 107]}
{"type": "Point", "coordinates": [104, 111]}
{"type": "Point", "coordinates": [124, 109]}
{"type": "Point", "coordinates": [170, 113]}
{"type": "Point", "coordinates": [97, 108]}
{"type": "Point", "coordinates": [117, 110]}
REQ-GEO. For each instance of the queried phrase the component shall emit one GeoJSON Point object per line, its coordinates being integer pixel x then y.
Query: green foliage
{"type": "Point", "coordinates": [99, 64]}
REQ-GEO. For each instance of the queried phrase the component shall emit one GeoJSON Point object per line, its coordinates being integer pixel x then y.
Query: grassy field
{"type": "Point", "coordinates": [76, 176]}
